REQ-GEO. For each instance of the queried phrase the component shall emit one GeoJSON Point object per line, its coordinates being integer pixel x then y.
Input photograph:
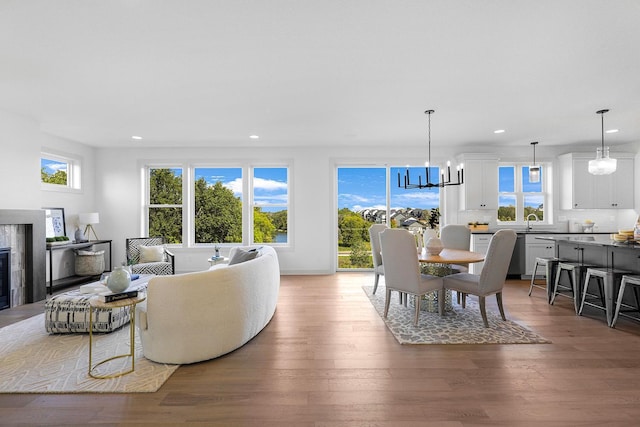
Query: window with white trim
{"type": "Point", "coordinates": [518, 197]}
{"type": "Point", "coordinates": [59, 172]}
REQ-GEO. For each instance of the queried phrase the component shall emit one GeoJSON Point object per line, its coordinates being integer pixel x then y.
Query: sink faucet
{"type": "Point", "coordinates": [529, 217]}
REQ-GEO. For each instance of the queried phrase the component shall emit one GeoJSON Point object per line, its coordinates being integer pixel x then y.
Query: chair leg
{"type": "Point", "coordinates": [417, 316]}
{"type": "Point", "coordinates": [387, 300]}
{"type": "Point", "coordinates": [500, 307]}
{"type": "Point", "coordinates": [555, 286]}
{"type": "Point", "coordinates": [375, 283]}
{"type": "Point", "coordinates": [441, 297]}
{"type": "Point", "coordinates": [584, 293]}
{"type": "Point", "coordinates": [483, 312]}
{"type": "Point", "coordinates": [619, 303]}
{"type": "Point", "coordinates": [464, 300]}
{"type": "Point", "coordinates": [533, 278]}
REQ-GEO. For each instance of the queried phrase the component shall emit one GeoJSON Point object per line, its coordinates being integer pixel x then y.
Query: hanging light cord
{"type": "Point", "coordinates": [601, 112]}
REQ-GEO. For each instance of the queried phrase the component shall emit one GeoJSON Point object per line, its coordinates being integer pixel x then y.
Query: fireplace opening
{"type": "Point", "coordinates": [5, 277]}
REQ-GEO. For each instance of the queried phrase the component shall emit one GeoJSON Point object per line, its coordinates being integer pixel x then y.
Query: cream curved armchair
{"type": "Point", "coordinates": [376, 255]}
{"type": "Point", "coordinates": [402, 270]}
{"type": "Point", "coordinates": [494, 273]}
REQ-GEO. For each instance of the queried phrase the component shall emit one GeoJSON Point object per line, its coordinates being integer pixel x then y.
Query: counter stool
{"type": "Point", "coordinates": [550, 264]}
{"type": "Point", "coordinates": [634, 281]}
{"type": "Point", "coordinates": [606, 279]}
{"type": "Point", "coordinates": [575, 272]}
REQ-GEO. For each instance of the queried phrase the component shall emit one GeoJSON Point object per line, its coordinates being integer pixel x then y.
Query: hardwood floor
{"type": "Point", "coordinates": [327, 359]}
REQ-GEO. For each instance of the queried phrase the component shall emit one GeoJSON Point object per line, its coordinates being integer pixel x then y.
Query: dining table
{"type": "Point", "coordinates": [443, 264]}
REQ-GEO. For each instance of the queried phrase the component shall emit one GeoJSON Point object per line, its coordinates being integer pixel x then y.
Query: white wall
{"type": "Point", "coordinates": [112, 187]}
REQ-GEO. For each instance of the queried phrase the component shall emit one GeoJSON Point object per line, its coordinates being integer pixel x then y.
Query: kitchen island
{"type": "Point", "coordinates": [601, 251]}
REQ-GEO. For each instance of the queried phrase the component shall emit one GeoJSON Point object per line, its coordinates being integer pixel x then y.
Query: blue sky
{"type": "Point", "coordinates": [269, 184]}
{"type": "Point", "coordinates": [52, 166]}
{"type": "Point", "coordinates": [360, 188]}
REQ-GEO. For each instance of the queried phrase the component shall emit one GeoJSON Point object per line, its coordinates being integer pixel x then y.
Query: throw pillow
{"type": "Point", "coordinates": [241, 255]}
{"type": "Point", "coordinates": [151, 254]}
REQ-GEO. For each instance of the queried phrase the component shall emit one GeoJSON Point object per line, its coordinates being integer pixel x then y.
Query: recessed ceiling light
{"type": "Point", "coordinates": [136, 137]}
{"type": "Point", "coordinates": [254, 136]}
{"type": "Point", "coordinates": [498, 131]}
{"type": "Point", "coordinates": [611, 131]}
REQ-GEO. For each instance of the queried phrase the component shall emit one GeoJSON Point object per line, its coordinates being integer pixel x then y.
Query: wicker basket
{"type": "Point", "coordinates": [89, 263]}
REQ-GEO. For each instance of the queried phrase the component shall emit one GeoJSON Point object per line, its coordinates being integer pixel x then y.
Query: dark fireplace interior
{"type": "Point", "coordinates": [5, 277]}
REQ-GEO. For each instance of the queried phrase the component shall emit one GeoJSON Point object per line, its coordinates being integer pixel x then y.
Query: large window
{"type": "Point", "coordinates": [59, 172]}
{"type": "Point", "coordinates": [218, 210]}
{"type": "Point", "coordinates": [362, 201]}
{"type": "Point", "coordinates": [270, 205]}
{"type": "Point", "coordinates": [165, 203]}
{"type": "Point", "coordinates": [218, 205]}
{"type": "Point", "coordinates": [519, 197]}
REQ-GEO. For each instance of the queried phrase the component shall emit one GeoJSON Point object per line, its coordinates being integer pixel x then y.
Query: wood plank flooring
{"type": "Point", "coordinates": [327, 360]}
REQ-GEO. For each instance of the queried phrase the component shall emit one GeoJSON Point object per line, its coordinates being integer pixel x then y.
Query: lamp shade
{"type": "Point", "coordinates": [602, 164]}
{"type": "Point", "coordinates": [89, 218]}
{"type": "Point", "coordinates": [534, 174]}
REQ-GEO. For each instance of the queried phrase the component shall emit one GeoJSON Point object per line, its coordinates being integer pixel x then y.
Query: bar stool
{"type": "Point", "coordinates": [627, 279]}
{"type": "Point", "coordinates": [606, 279]}
{"type": "Point", "coordinates": [550, 264]}
{"type": "Point", "coordinates": [575, 272]}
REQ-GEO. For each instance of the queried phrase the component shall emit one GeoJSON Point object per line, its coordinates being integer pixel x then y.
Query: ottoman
{"type": "Point", "coordinates": [68, 312]}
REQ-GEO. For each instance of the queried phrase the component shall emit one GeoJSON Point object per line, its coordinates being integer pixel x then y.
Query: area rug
{"type": "Point", "coordinates": [32, 361]}
{"type": "Point", "coordinates": [458, 326]}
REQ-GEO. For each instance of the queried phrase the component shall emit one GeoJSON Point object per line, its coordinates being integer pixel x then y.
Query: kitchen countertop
{"type": "Point", "coordinates": [599, 240]}
{"type": "Point", "coordinates": [606, 233]}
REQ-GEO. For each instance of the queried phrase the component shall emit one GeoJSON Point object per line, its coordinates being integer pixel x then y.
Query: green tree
{"type": "Point", "coordinates": [263, 229]}
{"type": "Point", "coordinates": [360, 257]}
{"type": "Point", "coordinates": [59, 177]}
{"type": "Point", "coordinates": [165, 188]}
{"type": "Point", "coordinates": [352, 227]}
{"type": "Point", "coordinates": [279, 220]}
{"type": "Point", "coordinates": [218, 214]}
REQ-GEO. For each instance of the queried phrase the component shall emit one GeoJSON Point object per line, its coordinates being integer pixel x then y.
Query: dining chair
{"type": "Point", "coordinates": [374, 237]}
{"type": "Point", "coordinates": [456, 236]}
{"type": "Point", "coordinates": [402, 270]}
{"type": "Point", "coordinates": [491, 280]}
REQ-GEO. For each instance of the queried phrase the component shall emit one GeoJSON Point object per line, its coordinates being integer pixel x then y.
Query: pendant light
{"type": "Point", "coordinates": [444, 180]}
{"type": "Point", "coordinates": [534, 170]}
{"type": "Point", "coordinates": [602, 164]}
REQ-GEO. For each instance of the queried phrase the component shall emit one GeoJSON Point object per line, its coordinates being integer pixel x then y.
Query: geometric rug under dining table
{"type": "Point", "coordinates": [457, 326]}
{"type": "Point", "coordinates": [33, 361]}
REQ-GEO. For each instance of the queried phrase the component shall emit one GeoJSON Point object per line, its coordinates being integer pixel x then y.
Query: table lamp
{"type": "Point", "coordinates": [89, 219]}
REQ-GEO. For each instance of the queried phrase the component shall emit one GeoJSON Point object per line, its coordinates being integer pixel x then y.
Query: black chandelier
{"type": "Point", "coordinates": [428, 183]}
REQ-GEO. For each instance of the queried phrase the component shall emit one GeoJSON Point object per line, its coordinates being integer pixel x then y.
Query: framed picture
{"type": "Point", "coordinates": [54, 220]}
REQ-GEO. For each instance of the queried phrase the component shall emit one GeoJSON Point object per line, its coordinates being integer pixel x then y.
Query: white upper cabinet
{"type": "Point", "coordinates": [480, 189]}
{"type": "Point", "coordinates": [581, 190]}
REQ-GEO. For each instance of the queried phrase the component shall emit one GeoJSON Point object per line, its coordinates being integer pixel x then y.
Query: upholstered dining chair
{"type": "Point", "coordinates": [491, 280]}
{"type": "Point", "coordinates": [148, 255]}
{"type": "Point", "coordinates": [402, 270]}
{"type": "Point", "coordinates": [374, 237]}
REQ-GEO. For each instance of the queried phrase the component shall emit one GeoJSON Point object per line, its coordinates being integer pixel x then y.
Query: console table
{"type": "Point", "coordinates": [73, 280]}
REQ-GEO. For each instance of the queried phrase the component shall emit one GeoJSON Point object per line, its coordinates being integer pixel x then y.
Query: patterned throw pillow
{"type": "Point", "coordinates": [240, 255]}
{"type": "Point", "coordinates": [151, 254]}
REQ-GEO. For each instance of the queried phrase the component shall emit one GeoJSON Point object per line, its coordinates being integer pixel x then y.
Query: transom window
{"type": "Point", "coordinates": [59, 172]}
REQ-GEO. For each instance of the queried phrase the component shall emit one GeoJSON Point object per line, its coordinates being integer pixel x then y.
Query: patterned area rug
{"type": "Point", "coordinates": [458, 326]}
{"type": "Point", "coordinates": [32, 361]}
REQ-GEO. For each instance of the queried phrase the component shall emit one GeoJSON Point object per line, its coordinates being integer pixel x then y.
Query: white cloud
{"type": "Point", "coordinates": [268, 184]}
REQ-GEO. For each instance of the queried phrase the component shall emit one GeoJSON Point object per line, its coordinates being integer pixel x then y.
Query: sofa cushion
{"type": "Point", "coordinates": [241, 255]}
{"type": "Point", "coordinates": [151, 254]}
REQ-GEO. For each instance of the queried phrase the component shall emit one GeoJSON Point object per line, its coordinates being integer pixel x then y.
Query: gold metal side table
{"type": "Point", "coordinates": [128, 302]}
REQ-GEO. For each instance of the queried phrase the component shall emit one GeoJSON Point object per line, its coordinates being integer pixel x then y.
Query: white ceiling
{"type": "Point", "coordinates": [330, 72]}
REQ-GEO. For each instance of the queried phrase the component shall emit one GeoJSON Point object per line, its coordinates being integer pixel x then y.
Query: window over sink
{"type": "Point", "coordinates": [519, 198]}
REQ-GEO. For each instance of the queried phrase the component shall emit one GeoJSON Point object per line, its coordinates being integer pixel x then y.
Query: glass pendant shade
{"type": "Point", "coordinates": [602, 164]}
{"type": "Point", "coordinates": [534, 174]}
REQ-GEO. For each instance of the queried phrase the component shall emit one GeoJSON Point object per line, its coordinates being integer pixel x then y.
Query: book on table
{"type": "Point", "coordinates": [117, 296]}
